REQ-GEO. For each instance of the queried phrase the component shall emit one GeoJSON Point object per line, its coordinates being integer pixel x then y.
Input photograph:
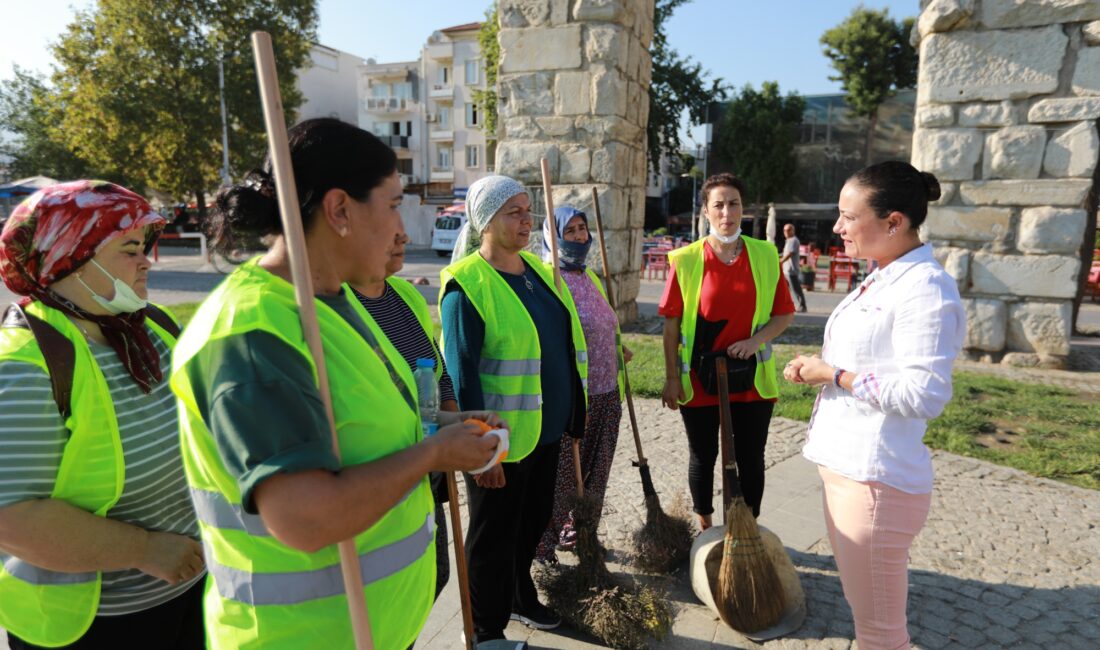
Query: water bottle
{"type": "Point", "coordinates": [428, 391]}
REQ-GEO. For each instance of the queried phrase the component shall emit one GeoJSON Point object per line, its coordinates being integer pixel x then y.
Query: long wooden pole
{"type": "Point", "coordinates": [294, 235]}
{"type": "Point", "coordinates": [460, 562]}
{"type": "Point", "coordinates": [548, 199]}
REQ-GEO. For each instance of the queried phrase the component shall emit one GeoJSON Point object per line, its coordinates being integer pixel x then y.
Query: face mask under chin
{"type": "Point", "coordinates": [125, 301]}
{"type": "Point", "coordinates": [726, 239]}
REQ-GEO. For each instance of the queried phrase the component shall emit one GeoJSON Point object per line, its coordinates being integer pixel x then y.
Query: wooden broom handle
{"type": "Point", "coordinates": [548, 199]}
{"type": "Point", "coordinates": [294, 235]}
{"type": "Point", "coordinates": [460, 561]}
{"type": "Point", "coordinates": [612, 300]}
{"type": "Point", "coordinates": [725, 429]}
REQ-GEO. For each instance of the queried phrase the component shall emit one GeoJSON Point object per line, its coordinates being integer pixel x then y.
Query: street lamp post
{"type": "Point", "coordinates": [226, 181]}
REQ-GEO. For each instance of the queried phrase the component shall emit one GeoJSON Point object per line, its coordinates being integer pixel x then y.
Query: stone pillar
{"type": "Point", "coordinates": [1008, 99]}
{"type": "Point", "coordinates": [573, 85]}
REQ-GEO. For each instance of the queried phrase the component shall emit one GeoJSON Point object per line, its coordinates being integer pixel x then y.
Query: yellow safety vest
{"type": "Point", "coordinates": [511, 358]}
{"type": "Point", "coordinates": [52, 608]}
{"type": "Point", "coordinates": [262, 593]}
{"type": "Point", "coordinates": [688, 265]}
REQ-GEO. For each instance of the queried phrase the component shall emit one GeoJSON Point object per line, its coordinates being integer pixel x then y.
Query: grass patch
{"type": "Point", "coordinates": [1045, 431]}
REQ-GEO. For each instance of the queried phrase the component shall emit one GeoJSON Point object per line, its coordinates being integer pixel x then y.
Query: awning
{"type": "Point", "coordinates": [25, 186]}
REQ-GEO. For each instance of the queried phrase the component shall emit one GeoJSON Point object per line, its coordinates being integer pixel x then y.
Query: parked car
{"type": "Point", "coordinates": [445, 232]}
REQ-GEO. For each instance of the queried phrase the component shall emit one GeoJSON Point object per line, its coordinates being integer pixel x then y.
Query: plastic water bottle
{"type": "Point", "coordinates": [428, 391]}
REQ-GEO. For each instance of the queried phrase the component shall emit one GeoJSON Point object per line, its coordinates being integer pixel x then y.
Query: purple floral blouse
{"type": "Point", "coordinates": [598, 321]}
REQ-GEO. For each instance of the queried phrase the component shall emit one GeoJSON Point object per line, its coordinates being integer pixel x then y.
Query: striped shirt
{"type": "Point", "coordinates": [400, 325]}
{"type": "Point", "coordinates": [154, 495]}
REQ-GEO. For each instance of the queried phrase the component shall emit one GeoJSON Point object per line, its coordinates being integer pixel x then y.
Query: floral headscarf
{"type": "Point", "coordinates": [57, 230]}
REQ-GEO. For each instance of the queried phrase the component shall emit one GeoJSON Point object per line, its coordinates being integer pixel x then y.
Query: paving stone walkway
{"type": "Point", "coordinates": [1005, 560]}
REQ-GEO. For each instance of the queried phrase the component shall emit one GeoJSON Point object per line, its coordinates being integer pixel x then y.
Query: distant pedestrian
{"type": "Point", "coordinates": [792, 265]}
{"type": "Point", "coordinates": [886, 370]}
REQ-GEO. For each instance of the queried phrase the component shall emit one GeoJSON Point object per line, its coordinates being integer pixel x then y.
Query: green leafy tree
{"type": "Point", "coordinates": [139, 81]}
{"type": "Point", "coordinates": [486, 100]}
{"type": "Point", "coordinates": [28, 109]}
{"type": "Point", "coordinates": [873, 59]}
{"type": "Point", "coordinates": [757, 138]}
{"type": "Point", "coordinates": [678, 84]}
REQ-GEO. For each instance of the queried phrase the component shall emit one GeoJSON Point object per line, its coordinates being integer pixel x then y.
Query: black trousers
{"type": "Point", "coordinates": [442, 560]}
{"type": "Point", "coordinates": [505, 527]}
{"type": "Point", "coordinates": [174, 625]}
{"type": "Point", "coordinates": [750, 435]}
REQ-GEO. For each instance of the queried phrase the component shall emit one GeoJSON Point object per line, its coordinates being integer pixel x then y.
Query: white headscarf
{"type": "Point", "coordinates": [484, 199]}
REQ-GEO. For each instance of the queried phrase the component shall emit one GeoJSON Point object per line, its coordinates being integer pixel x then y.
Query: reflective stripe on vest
{"type": "Point", "coordinates": [510, 367]}
{"type": "Point", "coordinates": [688, 265]}
{"type": "Point", "coordinates": [54, 608]}
{"type": "Point", "coordinates": [297, 587]}
{"type": "Point", "coordinates": [31, 574]}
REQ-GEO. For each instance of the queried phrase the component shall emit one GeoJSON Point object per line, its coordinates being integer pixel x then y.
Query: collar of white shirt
{"type": "Point", "coordinates": [898, 267]}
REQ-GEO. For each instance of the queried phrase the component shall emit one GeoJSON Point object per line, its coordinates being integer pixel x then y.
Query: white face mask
{"type": "Point", "coordinates": [126, 300]}
{"type": "Point", "coordinates": [726, 239]}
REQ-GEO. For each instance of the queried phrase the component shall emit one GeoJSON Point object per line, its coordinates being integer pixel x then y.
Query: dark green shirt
{"type": "Point", "coordinates": [263, 407]}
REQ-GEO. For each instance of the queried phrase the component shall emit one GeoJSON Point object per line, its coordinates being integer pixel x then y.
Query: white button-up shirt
{"type": "Point", "coordinates": [900, 332]}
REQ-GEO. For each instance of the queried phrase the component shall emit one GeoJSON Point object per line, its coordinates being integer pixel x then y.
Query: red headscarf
{"type": "Point", "coordinates": [57, 230]}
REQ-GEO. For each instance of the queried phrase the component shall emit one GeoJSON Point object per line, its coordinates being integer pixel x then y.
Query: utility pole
{"type": "Point", "coordinates": [226, 181]}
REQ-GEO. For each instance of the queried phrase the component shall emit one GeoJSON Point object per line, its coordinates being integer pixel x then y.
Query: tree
{"type": "Point", "coordinates": [486, 100]}
{"type": "Point", "coordinates": [678, 84]}
{"type": "Point", "coordinates": [28, 109]}
{"type": "Point", "coordinates": [139, 81]}
{"type": "Point", "coordinates": [757, 138]}
{"type": "Point", "coordinates": [873, 59]}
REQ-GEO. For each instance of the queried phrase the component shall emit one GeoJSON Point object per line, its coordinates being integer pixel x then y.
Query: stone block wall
{"type": "Point", "coordinates": [1008, 101]}
{"type": "Point", "coordinates": [573, 87]}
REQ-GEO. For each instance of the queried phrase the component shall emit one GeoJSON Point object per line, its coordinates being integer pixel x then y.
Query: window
{"type": "Point", "coordinates": [471, 115]}
{"type": "Point", "coordinates": [444, 117]}
{"type": "Point", "coordinates": [473, 155]}
{"type": "Point", "coordinates": [443, 157]}
{"type": "Point", "coordinates": [444, 75]}
{"type": "Point", "coordinates": [473, 71]}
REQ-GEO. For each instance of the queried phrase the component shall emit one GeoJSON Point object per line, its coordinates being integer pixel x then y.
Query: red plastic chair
{"type": "Point", "coordinates": [1092, 287]}
{"type": "Point", "coordinates": [656, 262]}
{"type": "Point", "coordinates": [842, 267]}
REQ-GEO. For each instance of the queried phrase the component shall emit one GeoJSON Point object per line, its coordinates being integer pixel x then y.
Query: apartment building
{"type": "Point", "coordinates": [328, 84]}
{"type": "Point", "coordinates": [426, 111]}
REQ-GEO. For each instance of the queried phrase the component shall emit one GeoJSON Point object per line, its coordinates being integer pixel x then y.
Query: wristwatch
{"type": "Point", "coordinates": [836, 377]}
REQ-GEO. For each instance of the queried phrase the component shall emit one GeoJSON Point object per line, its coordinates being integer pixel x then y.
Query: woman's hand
{"type": "Point", "coordinates": [172, 558]}
{"type": "Point", "coordinates": [627, 354]}
{"type": "Point", "coordinates": [488, 417]}
{"type": "Point", "coordinates": [792, 369]}
{"type": "Point", "coordinates": [812, 370]}
{"type": "Point", "coordinates": [744, 349]}
{"type": "Point", "coordinates": [491, 478]}
{"type": "Point", "coordinates": [461, 447]}
{"type": "Point", "coordinates": [673, 393]}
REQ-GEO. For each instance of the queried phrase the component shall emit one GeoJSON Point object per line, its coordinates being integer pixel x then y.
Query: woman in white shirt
{"type": "Point", "coordinates": [885, 370]}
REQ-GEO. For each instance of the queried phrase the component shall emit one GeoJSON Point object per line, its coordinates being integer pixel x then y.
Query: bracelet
{"type": "Point", "coordinates": [836, 377]}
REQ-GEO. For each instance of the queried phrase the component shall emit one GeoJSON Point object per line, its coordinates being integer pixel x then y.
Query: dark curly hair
{"type": "Point", "coordinates": [326, 154]}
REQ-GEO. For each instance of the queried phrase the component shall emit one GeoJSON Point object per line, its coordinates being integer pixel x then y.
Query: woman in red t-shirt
{"type": "Point", "coordinates": [727, 299]}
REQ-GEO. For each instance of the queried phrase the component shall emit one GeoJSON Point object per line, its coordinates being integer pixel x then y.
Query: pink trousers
{"type": "Point", "coordinates": [871, 527]}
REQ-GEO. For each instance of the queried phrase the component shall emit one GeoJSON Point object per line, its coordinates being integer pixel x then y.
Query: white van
{"type": "Point", "coordinates": [445, 232]}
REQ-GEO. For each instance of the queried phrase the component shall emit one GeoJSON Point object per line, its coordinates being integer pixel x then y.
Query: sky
{"type": "Point", "coordinates": [741, 41]}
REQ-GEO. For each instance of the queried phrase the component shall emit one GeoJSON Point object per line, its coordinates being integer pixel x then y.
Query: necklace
{"type": "Point", "coordinates": [527, 282]}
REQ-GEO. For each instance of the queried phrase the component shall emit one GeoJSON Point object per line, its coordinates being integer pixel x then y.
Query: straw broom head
{"type": "Point", "coordinates": [750, 596]}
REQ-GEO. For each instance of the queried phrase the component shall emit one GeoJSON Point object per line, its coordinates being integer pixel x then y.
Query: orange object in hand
{"type": "Point", "coordinates": [502, 446]}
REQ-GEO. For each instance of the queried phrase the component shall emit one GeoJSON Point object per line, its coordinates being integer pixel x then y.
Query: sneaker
{"type": "Point", "coordinates": [540, 617]}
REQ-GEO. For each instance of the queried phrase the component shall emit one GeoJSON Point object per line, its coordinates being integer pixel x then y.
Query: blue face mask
{"type": "Point", "coordinates": [573, 255]}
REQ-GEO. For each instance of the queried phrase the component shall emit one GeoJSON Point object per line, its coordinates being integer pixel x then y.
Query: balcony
{"type": "Point", "coordinates": [390, 105]}
{"type": "Point", "coordinates": [442, 135]}
{"type": "Point", "coordinates": [395, 141]}
{"type": "Point", "coordinates": [442, 174]}
{"type": "Point", "coordinates": [441, 92]}
{"type": "Point", "coordinates": [441, 51]}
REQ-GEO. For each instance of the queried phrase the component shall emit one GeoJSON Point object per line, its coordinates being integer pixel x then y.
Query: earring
{"type": "Point", "coordinates": [893, 230]}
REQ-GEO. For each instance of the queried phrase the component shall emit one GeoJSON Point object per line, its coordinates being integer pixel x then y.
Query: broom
{"type": "Point", "coordinates": [663, 542]}
{"type": "Point", "coordinates": [587, 595]}
{"type": "Point", "coordinates": [303, 292]}
{"type": "Point", "coordinates": [750, 596]}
